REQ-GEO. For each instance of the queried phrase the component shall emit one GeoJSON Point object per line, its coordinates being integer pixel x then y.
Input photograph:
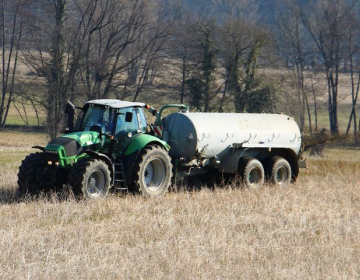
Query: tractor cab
{"type": "Point", "coordinates": [110, 117]}
{"type": "Point", "coordinates": [115, 121]}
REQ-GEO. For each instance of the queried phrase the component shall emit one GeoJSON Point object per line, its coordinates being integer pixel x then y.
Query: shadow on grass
{"type": "Point", "coordinates": [190, 184]}
{"type": "Point", "coordinates": [209, 182]}
{"type": "Point", "coordinates": [8, 196]}
{"type": "Point", "coordinates": [12, 196]}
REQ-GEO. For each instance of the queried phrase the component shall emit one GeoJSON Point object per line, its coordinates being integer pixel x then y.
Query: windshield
{"type": "Point", "coordinates": [98, 118]}
{"type": "Point", "coordinates": [102, 118]}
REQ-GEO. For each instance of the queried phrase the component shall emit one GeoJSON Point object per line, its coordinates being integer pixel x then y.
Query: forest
{"type": "Point", "coordinates": [295, 57]}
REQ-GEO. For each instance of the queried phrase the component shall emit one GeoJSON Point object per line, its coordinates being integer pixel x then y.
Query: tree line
{"type": "Point", "coordinates": [219, 57]}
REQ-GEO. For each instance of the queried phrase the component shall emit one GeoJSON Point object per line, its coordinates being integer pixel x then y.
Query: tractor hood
{"type": "Point", "coordinates": [85, 138]}
{"type": "Point", "coordinates": [72, 144]}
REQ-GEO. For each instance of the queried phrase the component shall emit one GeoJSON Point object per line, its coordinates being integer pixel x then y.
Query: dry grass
{"type": "Point", "coordinates": [310, 230]}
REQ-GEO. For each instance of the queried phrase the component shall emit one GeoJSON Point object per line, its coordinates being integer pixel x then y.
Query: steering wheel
{"type": "Point", "coordinates": [106, 125]}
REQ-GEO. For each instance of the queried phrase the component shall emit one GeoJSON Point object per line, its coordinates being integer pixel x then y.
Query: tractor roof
{"type": "Point", "coordinates": [115, 103]}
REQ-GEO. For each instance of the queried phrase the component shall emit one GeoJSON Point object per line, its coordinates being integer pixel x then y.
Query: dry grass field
{"type": "Point", "coordinates": [309, 230]}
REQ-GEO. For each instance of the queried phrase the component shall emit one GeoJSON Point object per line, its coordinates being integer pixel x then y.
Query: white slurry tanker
{"type": "Point", "coordinates": [113, 146]}
{"type": "Point", "coordinates": [256, 146]}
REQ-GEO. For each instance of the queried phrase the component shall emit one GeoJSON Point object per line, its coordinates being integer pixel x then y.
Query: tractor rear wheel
{"type": "Point", "coordinates": [28, 172]}
{"type": "Point", "coordinates": [251, 172]}
{"type": "Point", "coordinates": [152, 172]}
{"type": "Point", "coordinates": [90, 179]}
{"type": "Point", "coordinates": [278, 171]}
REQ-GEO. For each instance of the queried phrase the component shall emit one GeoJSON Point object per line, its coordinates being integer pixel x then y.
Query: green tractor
{"type": "Point", "coordinates": [111, 146]}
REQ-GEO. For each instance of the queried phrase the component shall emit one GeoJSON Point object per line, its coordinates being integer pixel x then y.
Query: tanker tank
{"type": "Point", "coordinates": [213, 133]}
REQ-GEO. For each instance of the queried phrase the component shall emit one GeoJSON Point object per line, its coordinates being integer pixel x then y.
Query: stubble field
{"type": "Point", "coordinates": [309, 230]}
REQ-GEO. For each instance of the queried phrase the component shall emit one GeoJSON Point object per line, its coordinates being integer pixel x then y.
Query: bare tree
{"type": "Point", "coordinates": [183, 50]}
{"type": "Point", "coordinates": [295, 47]}
{"type": "Point", "coordinates": [241, 42]}
{"type": "Point", "coordinates": [156, 40]}
{"type": "Point", "coordinates": [11, 35]}
{"type": "Point", "coordinates": [50, 35]}
{"type": "Point", "coordinates": [327, 22]}
{"type": "Point", "coordinates": [83, 46]}
{"type": "Point", "coordinates": [353, 40]}
{"type": "Point", "coordinates": [121, 41]}
{"type": "Point", "coordinates": [237, 21]}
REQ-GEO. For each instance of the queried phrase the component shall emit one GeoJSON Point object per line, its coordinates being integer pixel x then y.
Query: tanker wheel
{"type": "Point", "coordinates": [152, 172]}
{"type": "Point", "coordinates": [251, 172]}
{"type": "Point", "coordinates": [90, 179]}
{"type": "Point", "coordinates": [278, 171]}
{"type": "Point", "coordinates": [27, 176]}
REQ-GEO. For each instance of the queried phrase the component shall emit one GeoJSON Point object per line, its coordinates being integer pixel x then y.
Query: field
{"type": "Point", "coordinates": [309, 230]}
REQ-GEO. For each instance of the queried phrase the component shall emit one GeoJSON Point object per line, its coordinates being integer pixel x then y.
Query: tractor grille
{"type": "Point", "coordinates": [52, 155]}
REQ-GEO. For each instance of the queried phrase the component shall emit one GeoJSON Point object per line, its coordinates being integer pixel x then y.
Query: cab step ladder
{"type": "Point", "coordinates": [119, 176]}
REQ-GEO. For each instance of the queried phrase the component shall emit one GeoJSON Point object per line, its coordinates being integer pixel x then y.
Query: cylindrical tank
{"type": "Point", "coordinates": [212, 133]}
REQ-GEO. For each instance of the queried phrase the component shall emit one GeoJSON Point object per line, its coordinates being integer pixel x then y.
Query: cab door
{"type": "Point", "coordinates": [127, 125]}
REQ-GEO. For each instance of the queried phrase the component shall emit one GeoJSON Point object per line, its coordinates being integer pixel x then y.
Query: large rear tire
{"type": "Point", "coordinates": [251, 172]}
{"type": "Point", "coordinates": [28, 172]}
{"type": "Point", "coordinates": [90, 179]}
{"type": "Point", "coordinates": [278, 171]}
{"type": "Point", "coordinates": [152, 172]}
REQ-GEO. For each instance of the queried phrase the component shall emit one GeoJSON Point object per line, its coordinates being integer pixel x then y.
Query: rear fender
{"type": "Point", "coordinates": [142, 140]}
{"type": "Point", "coordinates": [134, 148]}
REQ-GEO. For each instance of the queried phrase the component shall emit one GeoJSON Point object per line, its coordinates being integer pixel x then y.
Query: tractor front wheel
{"type": "Point", "coordinates": [90, 179]}
{"type": "Point", "coordinates": [153, 172]}
{"type": "Point", "coordinates": [28, 174]}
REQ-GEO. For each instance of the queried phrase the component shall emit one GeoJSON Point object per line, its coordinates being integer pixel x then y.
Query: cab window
{"type": "Point", "coordinates": [121, 125]}
{"type": "Point", "coordinates": [142, 120]}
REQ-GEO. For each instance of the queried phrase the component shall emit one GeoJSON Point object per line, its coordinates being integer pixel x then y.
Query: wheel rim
{"type": "Point", "coordinates": [154, 174]}
{"type": "Point", "coordinates": [96, 183]}
{"type": "Point", "coordinates": [254, 176]}
{"type": "Point", "coordinates": [282, 175]}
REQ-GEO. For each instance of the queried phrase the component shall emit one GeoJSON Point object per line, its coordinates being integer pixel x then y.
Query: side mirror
{"type": "Point", "coordinates": [128, 117]}
{"type": "Point", "coordinates": [69, 110]}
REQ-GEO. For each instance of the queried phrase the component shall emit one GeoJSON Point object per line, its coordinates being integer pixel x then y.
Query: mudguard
{"type": "Point", "coordinates": [142, 140]}
{"type": "Point", "coordinates": [133, 150]}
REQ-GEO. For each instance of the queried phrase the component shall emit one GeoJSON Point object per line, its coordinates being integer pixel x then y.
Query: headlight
{"type": "Point", "coordinates": [56, 163]}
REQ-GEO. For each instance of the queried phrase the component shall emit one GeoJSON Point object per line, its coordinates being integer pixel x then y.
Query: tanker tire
{"type": "Point", "coordinates": [152, 172]}
{"type": "Point", "coordinates": [90, 179]}
{"type": "Point", "coordinates": [251, 172]}
{"type": "Point", "coordinates": [27, 176]}
{"type": "Point", "coordinates": [278, 171]}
